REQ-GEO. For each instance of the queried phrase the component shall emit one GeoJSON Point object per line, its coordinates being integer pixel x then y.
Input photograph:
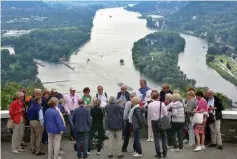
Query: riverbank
{"type": "Point", "coordinates": [224, 65]}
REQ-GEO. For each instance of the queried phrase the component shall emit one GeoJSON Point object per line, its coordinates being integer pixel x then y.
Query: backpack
{"type": "Point", "coordinates": [105, 95]}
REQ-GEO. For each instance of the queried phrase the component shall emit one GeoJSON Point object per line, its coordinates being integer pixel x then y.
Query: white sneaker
{"type": "Point", "coordinates": [185, 141]}
{"type": "Point", "coordinates": [137, 155]}
{"type": "Point", "coordinates": [148, 140]}
{"type": "Point", "coordinates": [203, 147]}
{"type": "Point", "coordinates": [175, 150]}
{"type": "Point", "coordinates": [134, 153]}
{"type": "Point", "coordinates": [198, 148]}
{"type": "Point", "coordinates": [152, 139]}
{"type": "Point", "coordinates": [16, 152]}
{"type": "Point", "coordinates": [74, 142]}
{"type": "Point", "coordinates": [61, 152]}
{"type": "Point", "coordinates": [20, 150]}
{"type": "Point", "coordinates": [98, 153]}
{"type": "Point", "coordinates": [59, 157]}
{"type": "Point", "coordinates": [88, 153]}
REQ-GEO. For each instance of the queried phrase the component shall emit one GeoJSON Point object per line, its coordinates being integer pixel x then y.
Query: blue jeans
{"type": "Point", "coordinates": [137, 144]}
{"type": "Point", "coordinates": [71, 125]}
{"type": "Point", "coordinates": [82, 138]}
{"type": "Point", "coordinates": [159, 134]}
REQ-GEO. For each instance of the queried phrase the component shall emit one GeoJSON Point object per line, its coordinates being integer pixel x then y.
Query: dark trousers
{"type": "Point", "coordinates": [159, 134]}
{"type": "Point", "coordinates": [169, 138]}
{"type": "Point", "coordinates": [127, 134]}
{"type": "Point", "coordinates": [177, 128]}
{"type": "Point", "coordinates": [82, 137]}
{"type": "Point", "coordinates": [45, 137]}
{"type": "Point", "coordinates": [137, 143]}
{"type": "Point", "coordinates": [71, 125]}
{"type": "Point", "coordinates": [100, 130]}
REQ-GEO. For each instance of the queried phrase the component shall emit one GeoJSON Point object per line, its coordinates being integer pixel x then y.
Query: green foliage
{"type": "Point", "coordinates": [50, 44]}
{"type": "Point", "coordinates": [20, 67]}
{"type": "Point", "coordinates": [9, 90]}
{"type": "Point", "coordinates": [209, 58]}
{"type": "Point", "coordinates": [163, 48]}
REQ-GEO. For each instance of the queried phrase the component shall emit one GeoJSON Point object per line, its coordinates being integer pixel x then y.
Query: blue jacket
{"type": "Point", "coordinates": [33, 111]}
{"type": "Point", "coordinates": [127, 95]}
{"type": "Point", "coordinates": [81, 119]}
{"type": "Point", "coordinates": [53, 121]}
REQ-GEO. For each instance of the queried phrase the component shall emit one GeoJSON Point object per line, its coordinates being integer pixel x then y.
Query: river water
{"type": "Point", "coordinates": [112, 39]}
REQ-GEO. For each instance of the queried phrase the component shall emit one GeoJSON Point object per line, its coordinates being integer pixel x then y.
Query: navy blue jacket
{"type": "Point", "coordinates": [53, 121]}
{"type": "Point", "coordinates": [127, 95]}
{"type": "Point", "coordinates": [45, 104]}
{"type": "Point", "coordinates": [33, 111]}
{"type": "Point", "coordinates": [81, 119]}
{"type": "Point", "coordinates": [162, 95]}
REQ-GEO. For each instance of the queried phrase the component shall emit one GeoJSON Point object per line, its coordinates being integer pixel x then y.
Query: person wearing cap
{"type": "Point", "coordinates": [71, 103]}
{"type": "Point", "coordinates": [128, 126]}
{"type": "Point", "coordinates": [54, 93]}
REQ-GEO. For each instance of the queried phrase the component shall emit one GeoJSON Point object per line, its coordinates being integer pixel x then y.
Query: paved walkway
{"type": "Point", "coordinates": [229, 152]}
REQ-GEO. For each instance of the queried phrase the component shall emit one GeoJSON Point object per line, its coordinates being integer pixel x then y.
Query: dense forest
{"type": "Point", "coordinates": [50, 44]}
{"type": "Point", "coordinates": [57, 31]}
{"type": "Point", "coordinates": [214, 21]}
{"type": "Point", "coordinates": [156, 56]}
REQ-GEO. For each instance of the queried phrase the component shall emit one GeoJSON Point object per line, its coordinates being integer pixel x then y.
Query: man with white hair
{"type": "Point", "coordinates": [102, 96]}
{"type": "Point", "coordinates": [214, 120]}
{"type": "Point", "coordinates": [71, 103]}
{"type": "Point", "coordinates": [123, 96]}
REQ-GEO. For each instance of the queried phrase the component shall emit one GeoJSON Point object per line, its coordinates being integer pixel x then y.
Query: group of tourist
{"type": "Point", "coordinates": [116, 117]}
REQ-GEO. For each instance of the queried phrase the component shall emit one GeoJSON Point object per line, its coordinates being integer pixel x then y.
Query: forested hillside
{"type": "Point", "coordinates": [57, 31]}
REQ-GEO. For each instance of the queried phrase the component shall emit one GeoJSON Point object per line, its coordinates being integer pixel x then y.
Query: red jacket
{"type": "Point", "coordinates": [15, 113]}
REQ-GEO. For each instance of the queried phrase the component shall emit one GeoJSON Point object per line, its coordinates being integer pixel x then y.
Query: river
{"type": "Point", "coordinates": [111, 40]}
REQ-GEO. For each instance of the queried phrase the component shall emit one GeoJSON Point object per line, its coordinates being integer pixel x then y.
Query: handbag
{"type": "Point", "coordinates": [164, 122]}
{"type": "Point", "coordinates": [10, 124]}
{"type": "Point", "coordinates": [211, 118]}
{"type": "Point", "coordinates": [197, 118]}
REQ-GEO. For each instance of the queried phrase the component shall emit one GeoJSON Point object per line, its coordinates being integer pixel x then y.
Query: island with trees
{"type": "Point", "coordinates": [156, 57]}
{"type": "Point", "coordinates": [214, 21]}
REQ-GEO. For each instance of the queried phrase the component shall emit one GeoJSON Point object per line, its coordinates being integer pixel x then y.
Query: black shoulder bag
{"type": "Point", "coordinates": [163, 122]}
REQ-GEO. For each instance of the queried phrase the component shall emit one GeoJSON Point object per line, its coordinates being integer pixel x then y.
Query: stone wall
{"type": "Point", "coordinates": [228, 128]}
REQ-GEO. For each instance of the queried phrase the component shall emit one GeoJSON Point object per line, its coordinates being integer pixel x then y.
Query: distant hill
{"type": "Point", "coordinates": [23, 4]}
{"type": "Point", "coordinates": [161, 8]}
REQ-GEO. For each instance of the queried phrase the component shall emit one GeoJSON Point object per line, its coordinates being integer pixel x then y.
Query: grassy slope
{"type": "Point", "coordinates": [230, 75]}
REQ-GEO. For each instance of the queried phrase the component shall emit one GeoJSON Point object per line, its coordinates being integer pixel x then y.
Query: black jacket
{"type": "Point", "coordinates": [162, 95]}
{"type": "Point", "coordinates": [138, 121]}
{"type": "Point", "coordinates": [97, 116]}
{"type": "Point", "coordinates": [127, 95]}
{"type": "Point", "coordinates": [219, 107]}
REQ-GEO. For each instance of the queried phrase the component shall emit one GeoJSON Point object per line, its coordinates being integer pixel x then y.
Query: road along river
{"type": "Point", "coordinates": [112, 37]}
